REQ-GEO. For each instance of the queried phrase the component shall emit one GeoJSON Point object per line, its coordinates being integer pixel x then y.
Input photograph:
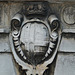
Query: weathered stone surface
{"type": "Point", "coordinates": [68, 30]}
{"type": "Point", "coordinates": [4, 43]}
{"type": "Point", "coordinates": [39, 0]}
{"type": "Point", "coordinates": [65, 64]}
{"type": "Point", "coordinates": [69, 15]}
{"type": "Point", "coordinates": [67, 43]}
{"type": "Point", "coordinates": [63, 0]}
{"type": "Point", "coordinates": [5, 30]}
{"type": "Point", "coordinates": [4, 14]}
{"type": "Point", "coordinates": [57, 8]}
{"type": "Point", "coordinates": [15, 7]}
{"type": "Point", "coordinates": [6, 65]}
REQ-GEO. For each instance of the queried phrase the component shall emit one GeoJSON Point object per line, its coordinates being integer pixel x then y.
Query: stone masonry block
{"type": "Point", "coordinates": [67, 43]}
{"type": "Point", "coordinates": [6, 65]}
{"type": "Point", "coordinates": [65, 64]}
{"type": "Point", "coordinates": [4, 43]}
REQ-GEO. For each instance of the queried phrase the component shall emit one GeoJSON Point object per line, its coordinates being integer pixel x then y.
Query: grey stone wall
{"type": "Point", "coordinates": [65, 60]}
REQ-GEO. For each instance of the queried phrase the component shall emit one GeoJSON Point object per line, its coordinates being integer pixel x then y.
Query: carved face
{"type": "Point", "coordinates": [34, 42]}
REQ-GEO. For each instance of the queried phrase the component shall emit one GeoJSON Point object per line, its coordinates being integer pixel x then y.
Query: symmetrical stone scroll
{"type": "Point", "coordinates": [35, 37]}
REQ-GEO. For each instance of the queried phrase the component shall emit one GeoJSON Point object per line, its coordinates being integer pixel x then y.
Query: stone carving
{"type": "Point", "coordinates": [35, 39]}
{"type": "Point", "coordinates": [69, 15]}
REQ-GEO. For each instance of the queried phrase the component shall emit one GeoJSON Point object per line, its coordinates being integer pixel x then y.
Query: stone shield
{"type": "Point", "coordinates": [35, 37]}
{"type": "Point", "coordinates": [35, 42]}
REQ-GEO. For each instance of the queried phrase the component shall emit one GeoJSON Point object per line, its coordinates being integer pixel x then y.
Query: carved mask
{"type": "Point", "coordinates": [35, 38]}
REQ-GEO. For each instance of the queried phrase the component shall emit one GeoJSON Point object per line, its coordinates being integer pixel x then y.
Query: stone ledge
{"type": "Point", "coordinates": [4, 43]}
{"type": "Point", "coordinates": [5, 30]}
{"type": "Point", "coordinates": [67, 43]}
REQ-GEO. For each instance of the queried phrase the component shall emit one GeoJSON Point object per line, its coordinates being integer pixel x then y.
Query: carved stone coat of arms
{"type": "Point", "coordinates": [35, 37]}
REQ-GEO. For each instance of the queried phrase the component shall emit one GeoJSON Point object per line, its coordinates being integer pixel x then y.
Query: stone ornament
{"type": "Point", "coordinates": [35, 39]}
{"type": "Point", "coordinates": [69, 15]}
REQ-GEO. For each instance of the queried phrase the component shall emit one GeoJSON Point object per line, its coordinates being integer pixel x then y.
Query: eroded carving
{"type": "Point", "coordinates": [34, 40]}
{"type": "Point", "coordinates": [69, 15]}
